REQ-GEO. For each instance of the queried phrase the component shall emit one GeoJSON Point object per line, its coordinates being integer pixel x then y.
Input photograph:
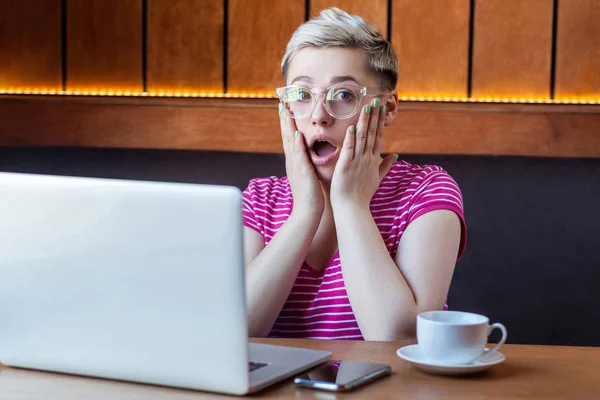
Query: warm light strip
{"type": "Point", "coordinates": [516, 100]}
{"type": "Point", "coordinates": [43, 92]}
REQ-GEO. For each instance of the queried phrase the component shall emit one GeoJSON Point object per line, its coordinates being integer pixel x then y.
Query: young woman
{"type": "Point", "coordinates": [349, 245]}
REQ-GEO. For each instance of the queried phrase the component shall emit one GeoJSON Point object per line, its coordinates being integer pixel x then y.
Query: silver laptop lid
{"type": "Point", "coordinates": [131, 280]}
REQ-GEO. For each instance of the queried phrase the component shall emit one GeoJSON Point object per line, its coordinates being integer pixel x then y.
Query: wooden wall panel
{"type": "Point", "coordinates": [258, 34]}
{"type": "Point", "coordinates": [512, 46]}
{"type": "Point", "coordinates": [30, 44]}
{"type": "Point", "coordinates": [185, 45]}
{"type": "Point", "coordinates": [431, 38]}
{"type": "Point", "coordinates": [104, 45]}
{"type": "Point", "coordinates": [253, 126]}
{"type": "Point", "coordinates": [374, 11]}
{"type": "Point", "coordinates": [578, 50]}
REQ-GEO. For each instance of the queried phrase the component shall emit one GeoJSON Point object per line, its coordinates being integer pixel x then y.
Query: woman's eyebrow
{"type": "Point", "coordinates": [305, 78]}
{"type": "Point", "coordinates": [343, 78]}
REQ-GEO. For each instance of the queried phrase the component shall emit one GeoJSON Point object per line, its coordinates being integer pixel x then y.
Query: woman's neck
{"type": "Point", "coordinates": [326, 189]}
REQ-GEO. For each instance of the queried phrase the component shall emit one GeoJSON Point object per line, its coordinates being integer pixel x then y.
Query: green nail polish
{"type": "Point", "coordinates": [351, 128]}
{"type": "Point", "coordinates": [296, 134]}
{"type": "Point", "coordinates": [382, 109]}
{"type": "Point", "coordinates": [376, 103]}
{"type": "Point", "coordinates": [368, 109]}
{"type": "Point", "coordinates": [280, 107]}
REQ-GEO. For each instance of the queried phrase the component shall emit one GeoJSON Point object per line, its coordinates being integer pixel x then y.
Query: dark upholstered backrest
{"type": "Point", "coordinates": [533, 252]}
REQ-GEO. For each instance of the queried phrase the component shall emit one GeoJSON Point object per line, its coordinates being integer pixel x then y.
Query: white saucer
{"type": "Point", "coordinates": [413, 355]}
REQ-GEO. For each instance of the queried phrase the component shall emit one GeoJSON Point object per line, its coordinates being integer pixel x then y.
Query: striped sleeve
{"type": "Point", "coordinates": [249, 198]}
{"type": "Point", "coordinates": [437, 190]}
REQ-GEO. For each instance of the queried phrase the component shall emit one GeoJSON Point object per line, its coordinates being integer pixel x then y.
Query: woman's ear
{"type": "Point", "coordinates": [391, 105]}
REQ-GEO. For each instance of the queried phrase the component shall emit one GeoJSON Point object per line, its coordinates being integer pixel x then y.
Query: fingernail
{"type": "Point", "coordinates": [296, 134]}
{"type": "Point", "coordinates": [382, 109]}
{"type": "Point", "coordinates": [280, 108]}
{"type": "Point", "coordinates": [376, 103]}
{"type": "Point", "coordinates": [397, 157]}
{"type": "Point", "coordinates": [351, 128]}
{"type": "Point", "coordinates": [368, 109]}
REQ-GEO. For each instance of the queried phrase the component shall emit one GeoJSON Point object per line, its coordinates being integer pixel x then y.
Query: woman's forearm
{"type": "Point", "coordinates": [382, 301]}
{"type": "Point", "coordinates": [271, 275]}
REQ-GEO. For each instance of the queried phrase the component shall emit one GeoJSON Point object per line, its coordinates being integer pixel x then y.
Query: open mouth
{"type": "Point", "coordinates": [323, 148]}
{"type": "Point", "coordinates": [323, 152]}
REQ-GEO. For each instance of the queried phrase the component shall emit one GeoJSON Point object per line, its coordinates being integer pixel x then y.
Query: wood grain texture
{"type": "Point", "coordinates": [432, 41]}
{"type": "Point", "coordinates": [253, 126]}
{"type": "Point", "coordinates": [529, 373]}
{"type": "Point", "coordinates": [578, 50]}
{"type": "Point", "coordinates": [374, 11]}
{"type": "Point", "coordinates": [512, 46]}
{"type": "Point", "coordinates": [185, 45]}
{"type": "Point", "coordinates": [104, 45]}
{"type": "Point", "coordinates": [258, 34]}
{"type": "Point", "coordinates": [30, 44]}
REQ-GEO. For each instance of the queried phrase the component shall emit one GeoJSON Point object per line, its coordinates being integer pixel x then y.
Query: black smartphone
{"type": "Point", "coordinates": [342, 375]}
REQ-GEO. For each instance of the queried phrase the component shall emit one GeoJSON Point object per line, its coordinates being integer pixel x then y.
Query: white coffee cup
{"type": "Point", "coordinates": [455, 337]}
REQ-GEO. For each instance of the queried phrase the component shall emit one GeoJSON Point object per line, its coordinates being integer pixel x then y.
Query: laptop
{"type": "Point", "coordinates": [131, 280]}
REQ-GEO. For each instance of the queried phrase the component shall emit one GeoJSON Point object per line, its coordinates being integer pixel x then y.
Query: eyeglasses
{"type": "Point", "coordinates": [340, 101]}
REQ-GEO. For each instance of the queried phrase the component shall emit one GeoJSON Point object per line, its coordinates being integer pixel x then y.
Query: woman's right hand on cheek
{"type": "Point", "coordinates": [306, 189]}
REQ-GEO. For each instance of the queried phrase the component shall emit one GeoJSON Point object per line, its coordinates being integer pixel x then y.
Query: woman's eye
{"type": "Point", "coordinates": [344, 95]}
{"type": "Point", "coordinates": [303, 95]}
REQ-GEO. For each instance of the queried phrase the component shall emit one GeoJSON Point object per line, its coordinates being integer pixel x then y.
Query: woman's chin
{"type": "Point", "coordinates": [325, 173]}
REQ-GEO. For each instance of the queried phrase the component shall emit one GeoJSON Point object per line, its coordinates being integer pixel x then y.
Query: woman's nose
{"type": "Point", "coordinates": [320, 116]}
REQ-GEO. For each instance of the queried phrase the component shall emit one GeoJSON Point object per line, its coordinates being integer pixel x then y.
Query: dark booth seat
{"type": "Point", "coordinates": [533, 254]}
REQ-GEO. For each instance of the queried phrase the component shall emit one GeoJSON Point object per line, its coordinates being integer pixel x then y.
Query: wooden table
{"type": "Point", "coordinates": [529, 372]}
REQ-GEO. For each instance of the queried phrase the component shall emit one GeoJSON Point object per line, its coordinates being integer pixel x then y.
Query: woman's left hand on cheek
{"type": "Point", "coordinates": [360, 168]}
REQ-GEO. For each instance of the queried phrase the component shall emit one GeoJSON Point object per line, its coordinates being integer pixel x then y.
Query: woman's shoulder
{"type": "Point", "coordinates": [406, 180]}
{"type": "Point", "coordinates": [406, 174]}
{"type": "Point", "coordinates": [268, 187]}
{"type": "Point", "coordinates": [405, 169]}
{"type": "Point", "coordinates": [270, 181]}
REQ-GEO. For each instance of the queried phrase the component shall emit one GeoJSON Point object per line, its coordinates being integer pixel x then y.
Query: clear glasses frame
{"type": "Point", "coordinates": [293, 93]}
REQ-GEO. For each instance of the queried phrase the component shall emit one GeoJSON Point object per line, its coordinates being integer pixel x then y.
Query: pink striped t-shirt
{"type": "Point", "coordinates": [318, 305]}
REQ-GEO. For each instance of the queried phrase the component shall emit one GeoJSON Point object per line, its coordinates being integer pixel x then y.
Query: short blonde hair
{"type": "Point", "coordinates": [336, 28]}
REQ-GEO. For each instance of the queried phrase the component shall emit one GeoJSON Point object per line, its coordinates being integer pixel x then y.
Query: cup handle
{"type": "Point", "coordinates": [504, 334]}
